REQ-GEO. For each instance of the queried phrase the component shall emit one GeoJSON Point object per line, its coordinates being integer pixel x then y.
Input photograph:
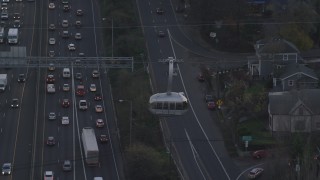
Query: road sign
{"type": "Point", "coordinates": [219, 102]}
{"type": "Point", "coordinates": [246, 138]}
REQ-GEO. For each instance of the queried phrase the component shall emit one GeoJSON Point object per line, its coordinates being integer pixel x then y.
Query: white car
{"type": "Point", "coordinates": [77, 36]}
{"type": "Point", "coordinates": [93, 88]}
{"type": "Point", "coordinates": [48, 175]}
{"type": "Point", "coordinates": [52, 41]}
{"type": "Point", "coordinates": [51, 6]}
{"type": "Point", "coordinates": [65, 120]}
{"type": "Point", "coordinates": [65, 23]}
{"type": "Point", "coordinates": [71, 47]}
{"type": "Point", "coordinates": [99, 108]}
{"type": "Point", "coordinates": [83, 105]}
{"type": "Point", "coordinates": [66, 87]}
{"type": "Point", "coordinates": [51, 88]}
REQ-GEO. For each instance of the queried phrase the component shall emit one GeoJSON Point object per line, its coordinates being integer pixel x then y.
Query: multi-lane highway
{"type": "Point", "coordinates": [194, 139]}
{"type": "Point", "coordinates": [24, 130]}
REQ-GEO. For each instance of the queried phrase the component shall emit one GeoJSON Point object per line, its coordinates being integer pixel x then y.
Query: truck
{"type": "Point", "coordinates": [2, 34]}
{"type": "Point", "coordinates": [90, 146]}
{"type": "Point", "coordinates": [3, 82]}
{"type": "Point", "coordinates": [13, 36]}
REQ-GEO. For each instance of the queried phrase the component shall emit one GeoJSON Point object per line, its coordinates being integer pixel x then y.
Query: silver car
{"type": "Point", "coordinates": [66, 165]}
{"type": "Point", "coordinates": [52, 116]}
{"type": "Point", "coordinates": [6, 169]}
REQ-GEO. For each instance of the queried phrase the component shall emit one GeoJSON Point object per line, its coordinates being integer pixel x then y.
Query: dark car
{"type": "Point", "coordinates": [79, 12]}
{"type": "Point", "coordinates": [103, 138]}
{"type": "Point", "coordinates": [161, 34]}
{"type": "Point", "coordinates": [211, 105]}
{"type": "Point", "coordinates": [51, 141]}
{"type": "Point", "coordinates": [65, 103]}
{"type": "Point", "coordinates": [200, 77]}
{"type": "Point", "coordinates": [50, 79]}
{"type": "Point", "coordinates": [66, 8]}
{"type": "Point", "coordinates": [16, 16]}
{"type": "Point", "coordinates": [78, 76]}
{"type": "Point", "coordinates": [259, 154]}
{"type": "Point", "coordinates": [208, 98]}
{"type": "Point", "coordinates": [15, 103]}
{"type": "Point", "coordinates": [95, 74]}
{"type": "Point", "coordinates": [21, 78]}
{"type": "Point", "coordinates": [159, 11]}
{"type": "Point", "coordinates": [52, 27]}
{"type": "Point", "coordinates": [97, 97]}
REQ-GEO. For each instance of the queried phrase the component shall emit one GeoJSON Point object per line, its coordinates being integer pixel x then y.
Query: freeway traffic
{"type": "Point", "coordinates": [25, 130]}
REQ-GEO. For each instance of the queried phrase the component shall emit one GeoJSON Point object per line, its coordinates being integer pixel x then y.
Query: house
{"type": "Point", "coordinates": [295, 76]}
{"type": "Point", "coordinates": [272, 54]}
{"type": "Point", "coordinates": [294, 111]}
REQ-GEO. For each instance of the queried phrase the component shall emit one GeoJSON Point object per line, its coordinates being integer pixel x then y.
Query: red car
{"type": "Point", "coordinates": [65, 103]}
{"type": "Point", "coordinates": [97, 97]}
{"type": "Point", "coordinates": [211, 105]}
{"type": "Point", "coordinates": [50, 79]}
{"type": "Point", "coordinates": [80, 90]}
{"type": "Point", "coordinates": [259, 154]}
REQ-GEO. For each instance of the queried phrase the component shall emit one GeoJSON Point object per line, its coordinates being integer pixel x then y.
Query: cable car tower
{"type": "Point", "coordinates": [169, 103]}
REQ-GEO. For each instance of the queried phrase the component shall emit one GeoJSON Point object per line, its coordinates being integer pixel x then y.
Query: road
{"type": "Point", "coordinates": [194, 139]}
{"type": "Point", "coordinates": [24, 130]}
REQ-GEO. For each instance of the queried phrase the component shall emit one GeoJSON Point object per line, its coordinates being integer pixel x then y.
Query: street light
{"type": "Point", "coordinates": [124, 100]}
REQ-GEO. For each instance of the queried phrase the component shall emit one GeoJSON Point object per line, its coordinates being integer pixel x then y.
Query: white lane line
{"type": "Point", "coordinates": [194, 113]}
{"type": "Point", "coordinates": [194, 153]}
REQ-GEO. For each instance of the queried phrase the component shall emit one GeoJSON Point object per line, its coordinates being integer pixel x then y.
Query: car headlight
{"type": "Point", "coordinates": [2, 172]}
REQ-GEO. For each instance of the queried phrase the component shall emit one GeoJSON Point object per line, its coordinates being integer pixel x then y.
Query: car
{"type": "Point", "coordinates": [52, 41]}
{"type": "Point", "coordinates": [66, 166]}
{"type": "Point", "coordinates": [52, 27]}
{"type": "Point", "coordinates": [52, 116]}
{"type": "Point", "coordinates": [159, 11]}
{"type": "Point", "coordinates": [77, 36]}
{"type": "Point", "coordinates": [95, 74]}
{"type": "Point", "coordinates": [16, 23]}
{"type": "Point", "coordinates": [200, 77]}
{"type": "Point", "coordinates": [83, 105]}
{"type": "Point", "coordinates": [77, 62]}
{"type": "Point", "coordinates": [65, 2]}
{"type": "Point", "coordinates": [97, 97]}
{"type": "Point", "coordinates": [65, 34]}
{"type": "Point", "coordinates": [79, 12]}
{"type": "Point", "coordinates": [81, 54]}
{"type": "Point", "coordinates": [255, 173]}
{"type": "Point", "coordinates": [6, 168]}
{"type": "Point", "coordinates": [65, 120]}
{"type": "Point", "coordinates": [66, 8]}
{"type": "Point", "coordinates": [98, 108]}
{"type": "Point", "coordinates": [51, 67]}
{"type": "Point", "coordinates": [103, 138]}
{"type": "Point", "coordinates": [48, 175]}
{"type": "Point", "coordinates": [4, 15]}
{"type": "Point", "coordinates": [161, 34]}
{"type": "Point", "coordinates": [51, 88]}
{"type": "Point", "coordinates": [93, 88]}
{"type": "Point", "coordinates": [14, 103]}
{"type": "Point", "coordinates": [99, 123]}
{"type": "Point", "coordinates": [21, 78]}
{"type": "Point", "coordinates": [65, 103]}
{"type": "Point", "coordinates": [80, 90]}
{"type": "Point", "coordinates": [18, 0]}
{"type": "Point", "coordinates": [71, 47]}
{"type": "Point", "coordinates": [51, 5]}
{"type": "Point", "coordinates": [51, 53]}
{"type": "Point", "coordinates": [16, 16]}
{"type": "Point", "coordinates": [50, 79]}
{"type": "Point", "coordinates": [4, 6]}
{"type": "Point", "coordinates": [78, 24]}
{"type": "Point", "coordinates": [259, 154]}
{"type": "Point", "coordinates": [66, 87]}
{"type": "Point", "coordinates": [51, 141]}
{"type": "Point", "coordinates": [65, 23]}
{"type": "Point", "coordinates": [211, 105]}
{"type": "Point", "coordinates": [208, 98]}
{"type": "Point", "coordinates": [78, 76]}
{"type": "Point", "coordinates": [3, 24]}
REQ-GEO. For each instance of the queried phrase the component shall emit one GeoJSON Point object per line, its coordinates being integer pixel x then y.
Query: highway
{"type": "Point", "coordinates": [193, 139]}
{"type": "Point", "coordinates": [24, 130]}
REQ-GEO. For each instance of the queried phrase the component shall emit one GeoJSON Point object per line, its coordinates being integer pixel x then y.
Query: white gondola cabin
{"type": "Point", "coordinates": [172, 103]}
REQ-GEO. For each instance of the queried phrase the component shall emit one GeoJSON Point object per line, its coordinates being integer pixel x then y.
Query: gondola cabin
{"type": "Point", "coordinates": [167, 104]}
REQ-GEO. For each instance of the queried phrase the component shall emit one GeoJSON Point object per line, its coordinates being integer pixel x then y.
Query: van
{"type": "Point", "coordinates": [66, 73]}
